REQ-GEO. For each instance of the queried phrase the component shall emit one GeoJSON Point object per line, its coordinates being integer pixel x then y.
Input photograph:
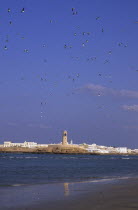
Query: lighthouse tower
{"type": "Point", "coordinates": [64, 138]}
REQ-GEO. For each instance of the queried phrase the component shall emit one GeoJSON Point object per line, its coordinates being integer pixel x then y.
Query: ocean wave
{"type": "Point", "coordinates": [70, 181]}
{"type": "Point", "coordinates": [110, 179]}
{"type": "Point", "coordinates": [22, 157]}
{"type": "Point", "coordinates": [17, 185]}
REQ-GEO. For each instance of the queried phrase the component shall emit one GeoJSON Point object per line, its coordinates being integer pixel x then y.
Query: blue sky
{"type": "Point", "coordinates": [75, 72]}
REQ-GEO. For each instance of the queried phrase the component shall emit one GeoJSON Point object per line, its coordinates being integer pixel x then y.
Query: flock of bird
{"type": "Point", "coordinates": [66, 46]}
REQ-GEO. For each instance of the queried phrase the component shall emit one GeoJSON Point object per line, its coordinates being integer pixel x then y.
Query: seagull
{"type": "Point", "coordinates": [106, 61]}
{"type": "Point", "coordinates": [120, 44]}
{"type": "Point", "coordinates": [22, 10]}
{"type": "Point", "coordinates": [97, 18]}
{"type": "Point", "coordinates": [25, 50]}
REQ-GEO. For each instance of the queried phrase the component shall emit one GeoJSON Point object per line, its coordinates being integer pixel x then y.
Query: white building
{"type": "Point", "coordinates": [135, 150]}
{"type": "Point", "coordinates": [25, 144]}
{"type": "Point", "coordinates": [121, 149]}
{"type": "Point", "coordinates": [103, 151]}
{"type": "Point", "coordinates": [42, 145]}
{"type": "Point", "coordinates": [10, 144]}
{"type": "Point", "coordinates": [71, 142]}
{"type": "Point", "coordinates": [7, 143]}
{"type": "Point", "coordinates": [92, 147]}
{"type": "Point", "coordinates": [29, 144]}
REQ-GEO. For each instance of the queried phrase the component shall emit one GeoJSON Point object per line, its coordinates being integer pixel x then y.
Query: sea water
{"type": "Point", "coordinates": [30, 169]}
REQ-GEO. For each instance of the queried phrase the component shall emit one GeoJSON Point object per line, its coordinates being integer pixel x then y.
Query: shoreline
{"type": "Point", "coordinates": [77, 181]}
{"type": "Point", "coordinates": [32, 151]}
{"type": "Point", "coordinates": [101, 194]}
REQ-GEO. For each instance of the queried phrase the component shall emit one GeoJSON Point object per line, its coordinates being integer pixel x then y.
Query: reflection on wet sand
{"type": "Point", "coordinates": [66, 189]}
{"type": "Point", "coordinates": [77, 187]}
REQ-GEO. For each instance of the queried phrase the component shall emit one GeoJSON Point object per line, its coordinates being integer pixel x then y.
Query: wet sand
{"type": "Point", "coordinates": [105, 195]}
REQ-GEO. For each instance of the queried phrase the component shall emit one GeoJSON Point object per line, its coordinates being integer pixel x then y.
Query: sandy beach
{"type": "Point", "coordinates": [116, 194]}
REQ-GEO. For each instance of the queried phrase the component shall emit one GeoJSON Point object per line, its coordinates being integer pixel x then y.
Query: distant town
{"type": "Point", "coordinates": [64, 147]}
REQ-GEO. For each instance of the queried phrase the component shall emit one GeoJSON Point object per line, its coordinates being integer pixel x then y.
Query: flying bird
{"type": "Point", "coordinates": [23, 10]}
{"type": "Point", "coordinates": [97, 18]}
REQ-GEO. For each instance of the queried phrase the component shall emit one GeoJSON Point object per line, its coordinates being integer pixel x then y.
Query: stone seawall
{"type": "Point", "coordinates": [56, 149]}
{"type": "Point", "coordinates": [66, 149]}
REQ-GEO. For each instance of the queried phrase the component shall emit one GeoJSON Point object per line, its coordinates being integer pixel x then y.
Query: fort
{"type": "Point", "coordinates": [64, 147]}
